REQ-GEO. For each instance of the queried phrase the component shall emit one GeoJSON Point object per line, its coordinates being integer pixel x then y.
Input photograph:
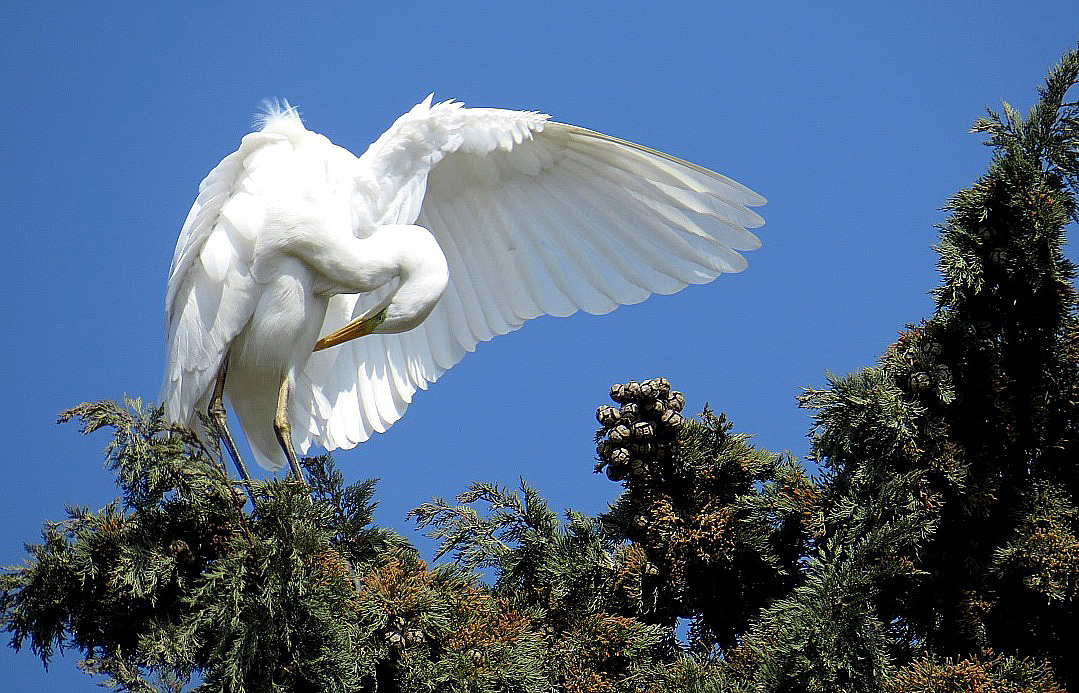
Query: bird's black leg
{"type": "Point", "coordinates": [216, 410]}
{"type": "Point", "coordinates": [284, 431]}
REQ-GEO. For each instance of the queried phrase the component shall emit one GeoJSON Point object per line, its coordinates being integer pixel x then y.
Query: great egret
{"type": "Point", "coordinates": [456, 225]}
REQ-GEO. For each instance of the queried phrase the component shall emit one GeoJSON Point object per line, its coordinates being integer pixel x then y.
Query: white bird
{"type": "Point", "coordinates": [456, 225]}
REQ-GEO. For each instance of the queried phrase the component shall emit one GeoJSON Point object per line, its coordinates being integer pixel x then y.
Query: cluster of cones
{"type": "Point", "coordinates": [399, 633]}
{"type": "Point", "coordinates": [637, 436]}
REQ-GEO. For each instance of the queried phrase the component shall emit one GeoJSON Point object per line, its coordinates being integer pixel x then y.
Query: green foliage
{"type": "Point", "coordinates": [177, 580]}
{"type": "Point", "coordinates": [575, 582]}
{"type": "Point", "coordinates": [724, 530]}
{"type": "Point", "coordinates": [961, 443]}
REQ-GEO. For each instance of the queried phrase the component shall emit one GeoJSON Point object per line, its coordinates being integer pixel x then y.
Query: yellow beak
{"type": "Point", "coordinates": [357, 328]}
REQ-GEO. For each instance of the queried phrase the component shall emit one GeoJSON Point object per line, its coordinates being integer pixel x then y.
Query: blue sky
{"type": "Point", "coordinates": [850, 117]}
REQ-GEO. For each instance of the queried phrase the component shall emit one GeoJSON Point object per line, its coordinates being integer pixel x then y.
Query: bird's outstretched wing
{"type": "Point", "coordinates": [535, 218]}
{"type": "Point", "coordinates": [211, 293]}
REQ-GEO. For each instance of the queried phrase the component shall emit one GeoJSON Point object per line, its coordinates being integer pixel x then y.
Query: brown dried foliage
{"type": "Point", "coordinates": [329, 568]}
{"type": "Point", "coordinates": [983, 673]}
{"type": "Point", "coordinates": [1052, 554]}
{"type": "Point", "coordinates": [707, 536]}
{"type": "Point", "coordinates": [483, 619]}
{"type": "Point", "coordinates": [591, 655]}
{"type": "Point", "coordinates": [808, 499]}
{"type": "Point", "coordinates": [399, 586]}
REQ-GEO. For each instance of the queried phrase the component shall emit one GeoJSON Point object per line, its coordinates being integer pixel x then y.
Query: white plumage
{"type": "Point", "coordinates": [292, 237]}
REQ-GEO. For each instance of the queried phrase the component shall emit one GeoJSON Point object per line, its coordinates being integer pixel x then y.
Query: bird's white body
{"type": "Point", "coordinates": [460, 223]}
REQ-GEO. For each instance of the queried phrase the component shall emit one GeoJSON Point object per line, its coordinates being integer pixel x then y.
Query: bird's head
{"type": "Point", "coordinates": [423, 274]}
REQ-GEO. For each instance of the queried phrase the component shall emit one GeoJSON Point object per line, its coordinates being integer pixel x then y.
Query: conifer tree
{"type": "Point", "coordinates": [950, 482]}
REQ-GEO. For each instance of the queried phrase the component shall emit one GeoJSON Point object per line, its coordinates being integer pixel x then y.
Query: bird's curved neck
{"type": "Point", "coordinates": [345, 264]}
{"type": "Point", "coordinates": [423, 274]}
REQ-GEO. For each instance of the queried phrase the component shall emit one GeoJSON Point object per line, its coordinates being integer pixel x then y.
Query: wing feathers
{"type": "Point", "coordinates": [637, 156]}
{"type": "Point", "coordinates": [612, 261]}
{"type": "Point", "coordinates": [485, 318]}
{"type": "Point", "coordinates": [532, 245]}
{"type": "Point", "coordinates": [550, 236]}
{"type": "Point", "coordinates": [535, 218]}
{"type": "Point", "coordinates": [598, 296]}
{"type": "Point", "coordinates": [210, 293]}
{"type": "Point", "coordinates": [737, 218]}
{"type": "Point", "coordinates": [658, 222]}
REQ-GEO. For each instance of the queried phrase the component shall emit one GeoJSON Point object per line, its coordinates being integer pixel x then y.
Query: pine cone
{"type": "Point", "coordinates": [414, 636]}
{"type": "Point", "coordinates": [618, 434]}
{"type": "Point", "coordinates": [181, 551]}
{"type": "Point", "coordinates": [655, 408]}
{"type": "Point", "coordinates": [607, 415]}
{"type": "Point", "coordinates": [616, 472]}
{"type": "Point", "coordinates": [632, 390]}
{"type": "Point", "coordinates": [672, 420]}
{"type": "Point", "coordinates": [644, 430]}
{"type": "Point", "coordinates": [919, 381]}
{"type": "Point", "coordinates": [630, 412]}
{"type": "Point", "coordinates": [676, 401]}
{"type": "Point", "coordinates": [618, 393]}
{"type": "Point", "coordinates": [618, 456]}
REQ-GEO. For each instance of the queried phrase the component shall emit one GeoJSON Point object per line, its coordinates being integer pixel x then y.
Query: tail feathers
{"type": "Point", "coordinates": [259, 430]}
{"type": "Point", "coordinates": [266, 450]}
{"type": "Point", "coordinates": [256, 410]}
